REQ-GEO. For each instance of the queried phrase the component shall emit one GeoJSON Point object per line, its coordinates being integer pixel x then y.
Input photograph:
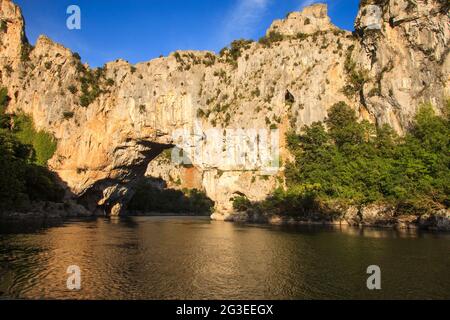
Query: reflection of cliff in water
{"type": "Point", "coordinates": [195, 258]}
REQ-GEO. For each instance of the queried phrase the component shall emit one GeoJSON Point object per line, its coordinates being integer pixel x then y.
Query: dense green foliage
{"type": "Point", "coordinates": [4, 99]}
{"type": "Point", "coordinates": [23, 177]}
{"type": "Point", "coordinates": [346, 162]}
{"type": "Point", "coordinates": [149, 198]}
{"type": "Point", "coordinates": [42, 142]}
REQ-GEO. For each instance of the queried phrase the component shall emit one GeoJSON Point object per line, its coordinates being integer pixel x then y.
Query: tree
{"type": "Point", "coordinates": [355, 162]}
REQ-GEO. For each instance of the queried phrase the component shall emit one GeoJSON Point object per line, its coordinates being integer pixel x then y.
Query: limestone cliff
{"type": "Point", "coordinates": [113, 124]}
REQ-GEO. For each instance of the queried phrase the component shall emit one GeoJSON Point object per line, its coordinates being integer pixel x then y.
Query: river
{"type": "Point", "coordinates": [194, 258]}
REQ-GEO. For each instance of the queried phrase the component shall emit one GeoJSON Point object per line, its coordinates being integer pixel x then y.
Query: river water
{"type": "Point", "coordinates": [194, 258]}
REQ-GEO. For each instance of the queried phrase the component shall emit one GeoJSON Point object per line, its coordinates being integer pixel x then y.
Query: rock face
{"type": "Point", "coordinates": [108, 140]}
{"type": "Point", "coordinates": [12, 29]}
{"type": "Point", "coordinates": [312, 19]}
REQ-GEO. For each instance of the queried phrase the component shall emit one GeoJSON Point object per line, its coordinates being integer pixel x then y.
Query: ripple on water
{"type": "Point", "coordinates": [194, 258]}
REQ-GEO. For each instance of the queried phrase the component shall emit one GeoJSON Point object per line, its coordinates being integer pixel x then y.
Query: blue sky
{"type": "Point", "coordinates": [139, 30]}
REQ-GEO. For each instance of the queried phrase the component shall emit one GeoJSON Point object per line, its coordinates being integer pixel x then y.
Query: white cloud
{"type": "Point", "coordinates": [305, 3]}
{"type": "Point", "coordinates": [244, 18]}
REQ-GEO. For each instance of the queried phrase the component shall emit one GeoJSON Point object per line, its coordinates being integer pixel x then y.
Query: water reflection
{"type": "Point", "coordinates": [194, 258]}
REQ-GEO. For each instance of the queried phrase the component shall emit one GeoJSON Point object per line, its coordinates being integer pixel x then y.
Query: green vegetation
{"type": "Point", "coordinates": [68, 115]}
{"type": "Point", "coordinates": [9, 70]}
{"type": "Point", "coordinates": [234, 51]}
{"type": "Point", "coordinates": [73, 89]}
{"type": "Point", "coordinates": [90, 86]}
{"type": "Point", "coordinates": [241, 203]}
{"type": "Point", "coordinates": [76, 56]}
{"type": "Point", "coordinates": [149, 198]}
{"type": "Point", "coordinates": [93, 82]}
{"type": "Point", "coordinates": [25, 52]}
{"type": "Point", "coordinates": [346, 162]}
{"type": "Point", "coordinates": [271, 38]}
{"type": "Point", "coordinates": [411, 5]}
{"type": "Point", "coordinates": [355, 78]}
{"type": "Point", "coordinates": [209, 60]}
{"type": "Point", "coordinates": [3, 26]}
{"type": "Point", "coordinates": [22, 176]}
{"type": "Point", "coordinates": [201, 113]}
{"type": "Point", "coordinates": [4, 99]}
{"type": "Point", "coordinates": [110, 82]}
{"type": "Point", "coordinates": [42, 142]}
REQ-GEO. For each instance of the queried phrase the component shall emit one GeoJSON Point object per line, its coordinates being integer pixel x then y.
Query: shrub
{"type": "Point", "coordinates": [4, 98]}
{"type": "Point", "coordinates": [12, 169]}
{"type": "Point", "coordinates": [201, 113]}
{"type": "Point", "coordinates": [209, 60]}
{"type": "Point", "coordinates": [25, 52]}
{"type": "Point", "coordinates": [355, 78]}
{"type": "Point", "coordinates": [73, 89]}
{"type": "Point", "coordinates": [178, 57]}
{"type": "Point", "coordinates": [43, 142]}
{"type": "Point", "coordinates": [357, 163]}
{"type": "Point", "coordinates": [411, 5]}
{"type": "Point", "coordinates": [40, 184]}
{"type": "Point", "coordinates": [256, 92]}
{"type": "Point", "coordinates": [241, 203]}
{"type": "Point", "coordinates": [234, 51]}
{"type": "Point", "coordinates": [9, 70]}
{"type": "Point", "coordinates": [301, 36]}
{"type": "Point", "coordinates": [85, 101]}
{"type": "Point", "coordinates": [76, 56]}
{"type": "Point", "coordinates": [20, 179]}
{"type": "Point", "coordinates": [92, 82]}
{"type": "Point", "coordinates": [3, 26]}
{"type": "Point", "coordinates": [149, 198]}
{"type": "Point", "coordinates": [68, 115]}
{"type": "Point", "coordinates": [271, 38]}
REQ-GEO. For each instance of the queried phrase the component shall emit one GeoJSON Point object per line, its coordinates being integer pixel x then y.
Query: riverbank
{"type": "Point", "coordinates": [371, 216]}
{"type": "Point", "coordinates": [44, 210]}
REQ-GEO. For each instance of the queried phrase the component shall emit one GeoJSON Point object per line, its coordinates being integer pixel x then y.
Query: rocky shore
{"type": "Point", "coordinates": [371, 216]}
{"type": "Point", "coordinates": [47, 211]}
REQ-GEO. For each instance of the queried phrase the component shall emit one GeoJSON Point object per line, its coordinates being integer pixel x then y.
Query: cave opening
{"type": "Point", "coordinates": [289, 98]}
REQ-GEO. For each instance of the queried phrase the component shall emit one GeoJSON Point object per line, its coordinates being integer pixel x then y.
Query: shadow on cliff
{"type": "Point", "coordinates": [153, 197]}
{"type": "Point", "coordinates": [111, 196]}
